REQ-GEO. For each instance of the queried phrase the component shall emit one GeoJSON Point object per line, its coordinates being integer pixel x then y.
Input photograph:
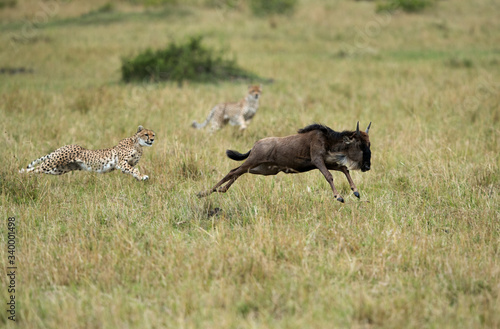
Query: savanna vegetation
{"type": "Point", "coordinates": [189, 60]}
{"type": "Point", "coordinates": [421, 249]}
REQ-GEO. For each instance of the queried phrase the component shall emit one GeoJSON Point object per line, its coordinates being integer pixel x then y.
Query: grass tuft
{"type": "Point", "coordinates": [8, 4]}
{"type": "Point", "coordinates": [456, 62]}
{"type": "Point", "coordinates": [272, 7]}
{"type": "Point", "coordinates": [410, 6]}
{"type": "Point", "coordinates": [420, 249]}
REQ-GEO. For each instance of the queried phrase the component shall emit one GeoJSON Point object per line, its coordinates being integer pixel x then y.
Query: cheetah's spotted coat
{"type": "Point", "coordinates": [236, 114]}
{"type": "Point", "coordinates": [123, 156]}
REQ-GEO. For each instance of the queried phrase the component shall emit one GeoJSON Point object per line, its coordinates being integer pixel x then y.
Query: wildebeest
{"type": "Point", "coordinates": [314, 147]}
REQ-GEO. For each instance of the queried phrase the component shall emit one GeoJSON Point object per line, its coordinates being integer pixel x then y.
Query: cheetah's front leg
{"type": "Point", "coordinates": [242, 123]}
{"type": "Point", "coordinates": [126, 168]}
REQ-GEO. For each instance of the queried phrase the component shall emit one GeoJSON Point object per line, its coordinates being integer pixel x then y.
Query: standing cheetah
{"type": "Point", "coordinates": [123, 156]}
{"type": "Point", "coordinates": [237, 114]}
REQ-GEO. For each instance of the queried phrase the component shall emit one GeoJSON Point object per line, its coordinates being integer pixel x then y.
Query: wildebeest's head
{"type": "Point", "coordinates": [358, 149]}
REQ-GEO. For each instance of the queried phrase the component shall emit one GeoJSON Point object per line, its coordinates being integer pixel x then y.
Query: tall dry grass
{"type": "Point", "coordinates": [105, 251]}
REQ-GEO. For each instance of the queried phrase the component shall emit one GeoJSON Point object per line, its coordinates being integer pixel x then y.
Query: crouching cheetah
{"type": "Point", "coordinates": [237, 114]}
{"type": "Point", "coordinates": [123, 156]}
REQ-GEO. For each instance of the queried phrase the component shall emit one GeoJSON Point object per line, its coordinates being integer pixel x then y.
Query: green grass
{"type": "Point", "coordinates": [106, 251]}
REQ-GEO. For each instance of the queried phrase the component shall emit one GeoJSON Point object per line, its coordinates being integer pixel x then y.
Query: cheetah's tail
{"type": "Point", "coordinates": [204, 123]}
{"type": "Point", "coordinates": [32, 165]}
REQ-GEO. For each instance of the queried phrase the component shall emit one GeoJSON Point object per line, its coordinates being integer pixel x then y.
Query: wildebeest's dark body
{"type": "Point", "coordinates": [314, 147]}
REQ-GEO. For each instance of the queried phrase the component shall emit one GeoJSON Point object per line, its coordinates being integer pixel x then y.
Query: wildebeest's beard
{"type": "Point", "coordinates": [367, 154]}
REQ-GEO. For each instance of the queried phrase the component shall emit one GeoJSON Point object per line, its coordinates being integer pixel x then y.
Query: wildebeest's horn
{"type": "Point", "coordinates": [368, 128]}
{"type": "Point", "coordinates": [357, 130]}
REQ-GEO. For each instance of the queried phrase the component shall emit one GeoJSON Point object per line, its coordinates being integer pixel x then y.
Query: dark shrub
{"type": "Point", "coordinates": [178, 62]}
{"type": "Point", "coordinates": [8, 3]}
{"type": "Point", "coordinates": [270, 7]}
{"type": "Point", "coordinates": [153, 2]}
{"type": "Point", "coordinates": [405, 5]}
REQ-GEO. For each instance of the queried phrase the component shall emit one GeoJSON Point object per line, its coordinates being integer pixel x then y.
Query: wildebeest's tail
{"type": "Point", "coordinates": [204, 123]}
{"type": "Point", "coordinates": [235, 155]}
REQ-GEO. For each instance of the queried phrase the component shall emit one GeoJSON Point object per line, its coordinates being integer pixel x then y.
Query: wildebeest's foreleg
{"type": "Point", "coordinates": [320, 164]}
{"type": "Point", "coordinates": [351, 182]}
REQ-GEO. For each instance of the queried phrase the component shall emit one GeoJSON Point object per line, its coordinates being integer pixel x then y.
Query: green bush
{"type": "Point", "coordinates": [227, 4]}
{"type": "Point", "coordinates": [106, 8]}
{"type": "Point", "coordinates": [8, 3]}
{"type": "Point", "coordinates": [270, 7]}
{"type": "Point", "coordinates": [178, 62]}
{"type": "Point", "coordinates": [153, 2]}
{"type": "Point", "coordinates": [405, 5]}
{"type": "Point", "coordinates": [457, 62]}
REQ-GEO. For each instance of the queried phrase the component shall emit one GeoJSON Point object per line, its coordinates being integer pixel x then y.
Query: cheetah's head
{"type": "Point", "coordinates": [254, 92]}
{"type": "Point", "coordinates": [145, 137]}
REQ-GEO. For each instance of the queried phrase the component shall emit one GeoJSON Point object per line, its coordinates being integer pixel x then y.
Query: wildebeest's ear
{"type": "Point", "coordinates": [140, 128]}
{"type": "Point", "coordinates": [348, 140]}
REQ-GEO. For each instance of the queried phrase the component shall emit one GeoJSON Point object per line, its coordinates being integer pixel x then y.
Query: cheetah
{"type": "Point", "coordinates": [237, 114]}
{"type": "Point", "coordinates": [123, 156]}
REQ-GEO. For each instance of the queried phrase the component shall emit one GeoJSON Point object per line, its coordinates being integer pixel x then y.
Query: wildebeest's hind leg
{"type": "Point", "coordinates": [351, 182]}
{"type": "Point", "coordinates": [230, 178]}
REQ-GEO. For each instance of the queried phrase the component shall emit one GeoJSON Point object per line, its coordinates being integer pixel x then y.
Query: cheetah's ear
{"type": "Point", "coordinates": [140, 128]}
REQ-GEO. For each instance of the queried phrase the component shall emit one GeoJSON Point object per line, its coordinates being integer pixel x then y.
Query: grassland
{"type": "Point", "coordinates": [420, 250]}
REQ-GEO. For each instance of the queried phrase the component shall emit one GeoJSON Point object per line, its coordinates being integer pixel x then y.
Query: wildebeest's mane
{"type": "Point", "coordinates": [329, 132]}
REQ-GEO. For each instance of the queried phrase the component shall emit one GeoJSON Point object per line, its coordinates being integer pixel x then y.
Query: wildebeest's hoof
{"type": "Point", "coordinates": [356, 194]}
{"type": "Point", "coordinates": [202, 194]}
{"type": "Point", "coordinates": [340, 199]}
